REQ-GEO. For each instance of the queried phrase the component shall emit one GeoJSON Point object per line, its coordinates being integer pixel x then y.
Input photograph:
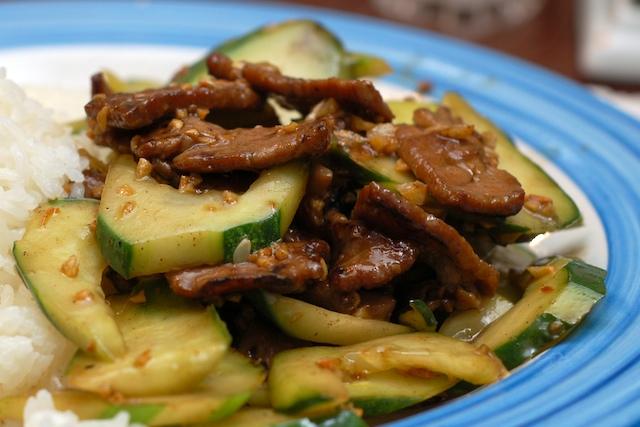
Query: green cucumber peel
{"type": "Point", "coordinates": [138, 413]}
{"type": "Point", "coordinates": [230, 406]}
{"type": "Point", "coordinates": [545, 330]}
{"type": "Point", "coordinates": [260, 233]}
{"type": "Point", "coordinates": [587, 275]}
{"type": "Point", "coordinates": [374, 407]}
{"type": "Point", "coordinates": [305, 403]}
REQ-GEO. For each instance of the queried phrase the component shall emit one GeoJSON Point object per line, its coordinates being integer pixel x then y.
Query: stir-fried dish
{"type": "Point", "coordinates": [274, 243]}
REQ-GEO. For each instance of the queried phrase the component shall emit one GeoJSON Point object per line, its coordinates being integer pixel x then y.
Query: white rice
{"type": "Point", "coordinates": [37, 157]}
{"type": "Point", "coordinates": [40, 412]}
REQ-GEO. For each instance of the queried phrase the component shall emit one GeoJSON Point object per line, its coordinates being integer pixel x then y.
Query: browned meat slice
{"type": "Point", "coordinates": [442, 117]}
{"type": "Point", "coordinates": [221, 67]}
{"type": "Point", "coordinates": [163, 172]}
{"type": "Point", "coordinates": [324, 295]}
{"type": "Point", "coordinates": [281, 267]}
{"type": "Point", "coordinates": [359, 96]}
{"type": "Point", "coordinates": [366, 258]}
{"type": "Point", "coordinates": [216, 150]}
{"type": "Point", "coordinates": [452, 258]}
{"type": "Point", "coordinates": [99, 85]}
{"type": "Point", "coordinates": [460, 170]}
{"type": "Point", "coordinates": [295, 235]}
{"type": "Point", "coordinates": [168, 141]}
{"type": "Point", "coordinates": [312, 207]}
{"type": "Point", "coordinates": [257, 338]}
{"type": "Point", "coordinates": [136, 110]}
{"type": "Point", "coordinates": [113, 283]}
{"type": "Point", "coordinates": [117, 139]}
{"type": "Point", "coordinates": [376, 304]}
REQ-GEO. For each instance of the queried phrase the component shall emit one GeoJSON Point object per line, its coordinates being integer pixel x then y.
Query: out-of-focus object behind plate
{"type": "Point", "coordinates": [610, 40]}
{"type": "Point", "coordinates": [469, 18]}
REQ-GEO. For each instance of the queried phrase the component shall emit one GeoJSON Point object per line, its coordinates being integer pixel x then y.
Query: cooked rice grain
{"type": "Point", "coordinates": [37, 157]}
{"type": "Point", "coordinates": [40, 412]}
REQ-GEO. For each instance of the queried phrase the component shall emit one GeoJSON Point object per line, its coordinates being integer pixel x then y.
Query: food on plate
{"type": "Point", "coordinates": [269, 242]}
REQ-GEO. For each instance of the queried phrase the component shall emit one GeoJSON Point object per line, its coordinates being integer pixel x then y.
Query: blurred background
{"type": "Point", "coordinates": [595, 42]}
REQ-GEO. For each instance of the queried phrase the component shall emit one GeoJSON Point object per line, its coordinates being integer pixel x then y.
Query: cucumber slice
{"type": "Point", "coordinates": [222, 392]}
{"type": "Point", "coordinates": [260, 397]}
{"type": "Point", "coordinates": [118, 84]}
{"type": "Point", "coordinates": [313, 380]}
{"type": "Point", "coordinates": [387, 392]}
{"type": "Point", "coordinates": [312, 323]}
{"type": "Point", "coordinates": [188, 230]}
{"type": "Point", "coordinates": [84, 405]}
{"type": "Point", "coordinates": [466, 325]}
{"type": "Point", "coordinates": [533, 179]}
{"type": "Point", "coordinates": [365, 65]}
{"type": "Point", "coordinates": [300, 48]}
{"type": "Point", "coordinates": [172, 344]}
{"type": "Point", "coordinates": [550, 309]}
{"type": "Point", "coordinates": [298, 384]}
{"type": "Point", "coordinates": [234, 374]}
{"type": "Point", "coordinates": [403, 109]}
{"type": "Point", "coordinates": [367, 167]}
{"type": "Point", "coordinates": [151, 411]}
{"type": "Point", "coordinates": [419, 316]}
{"type": "Point", "coordinates": [60, 261]}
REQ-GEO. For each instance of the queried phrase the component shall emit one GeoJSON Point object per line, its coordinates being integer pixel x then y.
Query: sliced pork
{"type": "Point", "coordinates": [139, 109]}
{"type": "Point", "coordinates": [281, 267]}
{"type": "Point", "coordinates": [441, 246]}
{"type": "Point", "coordinates": [365, 258]}
{"type": "Point", "coordinates": [212, 149]}
{"type": "Point", "coordinates": [357, 96]}
{"type": "Point", "coordinates": [458, 167]}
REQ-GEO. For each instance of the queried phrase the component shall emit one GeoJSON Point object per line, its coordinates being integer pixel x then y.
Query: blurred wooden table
{"type": "Point", "coordinates": [548, 40]}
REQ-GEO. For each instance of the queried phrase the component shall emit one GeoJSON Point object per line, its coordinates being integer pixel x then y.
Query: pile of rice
{"type": "Point", "coordinates": [37, 158]}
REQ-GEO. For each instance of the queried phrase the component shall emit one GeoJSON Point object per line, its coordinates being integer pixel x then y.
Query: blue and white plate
{"type": "Point", "coordinates": [592, 378]}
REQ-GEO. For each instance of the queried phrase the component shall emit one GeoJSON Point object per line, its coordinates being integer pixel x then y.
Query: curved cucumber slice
{"type": "Point", "coordinates": [466, 325]}
{"type": "Point", "coordinates": [551, 307]}
{"type": "Point", "coordinates": [118, 84]}
{"type": "Point", "coordinates": [222, 392]}
{"type": "Point", "coordinates": [312, 323]}
{"type": "Point", "coordinates": [387, 392]}
{"type": "Point", "coordinates": [298, 384]}
{"type": "Point", "coordinates": [365, 65]}
{"type": "Point", "coordinates": [145, 227]}
{"type": "Point", "coordinates": [403, 109]}
{"type": "Point", "coordinates": [419, 316]}
{"type": "Point", "coordinates": [173, 410]}
{"type": "Point", "coordinates": [300, 48]}
{"type": "Point", "coordinates": [60, 261]}
{"type": "Point", "coordinates": [234, 374]}
{"type": "Point", "coordinates": [314, 380]}
{"type": "Point", "coordinates": [172, 344]}
{"type": "Point", "coordinates": [533, 179]}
